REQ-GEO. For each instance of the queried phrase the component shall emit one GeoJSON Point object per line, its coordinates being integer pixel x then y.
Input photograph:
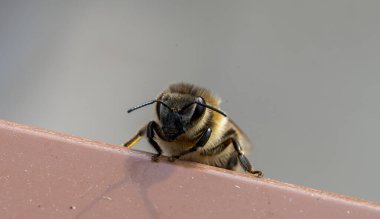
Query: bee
{"type": "Point", "coordinates": [190, 126]}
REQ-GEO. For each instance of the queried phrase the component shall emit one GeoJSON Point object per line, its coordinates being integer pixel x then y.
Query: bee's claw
{"type": "Point", "coordinates": [173, 158]}
{"type": "Point", "coordinates": [257, 173]}
{"type": "Point", "coordinates": [155, 157]}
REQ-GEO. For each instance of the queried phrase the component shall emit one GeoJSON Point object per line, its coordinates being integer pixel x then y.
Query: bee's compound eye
{"type": "Point", "coordinates": [158, 109]}
{"type": "Point", "coordinates": [199, 109]}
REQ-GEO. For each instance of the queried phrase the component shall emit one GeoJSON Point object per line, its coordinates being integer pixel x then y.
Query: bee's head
{"type": "Point", "coordinates": [178, 113]}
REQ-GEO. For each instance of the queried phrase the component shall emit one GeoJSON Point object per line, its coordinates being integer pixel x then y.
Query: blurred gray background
{"type": "Point", "coordinates": [300, 77]}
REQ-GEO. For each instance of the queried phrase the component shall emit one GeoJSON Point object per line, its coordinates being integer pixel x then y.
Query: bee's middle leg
{"type": "Point", "coordinates": [200, 143]}
{"type": "Point", "coordinates": [244, 160]}
{"type": "Point", "coordinates": [153, 126]}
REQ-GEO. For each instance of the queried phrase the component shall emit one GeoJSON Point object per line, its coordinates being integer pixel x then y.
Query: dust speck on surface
{"type": "Point", "coordinates": [107, 197]}
{"type": "Point", "coordinates": [237, 186]}
{"type": "Point", "coordinates": [155, 206]}
{"type": "Point", "coordinates": [348, 212]}
{"type": "Point", "coordinates": [73, 207]}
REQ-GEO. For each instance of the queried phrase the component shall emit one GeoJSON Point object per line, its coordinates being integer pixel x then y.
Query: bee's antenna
{"type": "Point", "coordinates": [146, 104]}
{"type": "Point", "coordinates": [212, 108]}
{"type": "Point", "coordinates": [159, 101]}
{"type": "Point", "coordinates": [142, 105]}
{"type": "Point", "coordinates": [207, 106]}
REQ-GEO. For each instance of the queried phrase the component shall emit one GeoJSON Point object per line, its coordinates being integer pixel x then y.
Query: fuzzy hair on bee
{"type": "Point", "coordinates": [190, 126]}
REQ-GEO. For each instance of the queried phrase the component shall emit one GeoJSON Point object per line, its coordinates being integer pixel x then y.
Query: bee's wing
{"type": "Point", "coordinates": [243, 138]}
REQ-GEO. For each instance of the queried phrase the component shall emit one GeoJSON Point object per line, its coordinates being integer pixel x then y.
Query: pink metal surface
{"type": "Point", "coordinates": [44, 174]}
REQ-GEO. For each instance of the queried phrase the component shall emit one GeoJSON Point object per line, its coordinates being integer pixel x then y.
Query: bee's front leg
{"type": "Point", "coordinates": [153, 126]}
{"type": "Point", "coordinates": [135, 138]}
{"type": "Point", "coordinates": [200, 143]}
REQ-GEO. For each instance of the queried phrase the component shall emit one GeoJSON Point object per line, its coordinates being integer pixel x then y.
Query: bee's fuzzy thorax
{"type": "Point", "coordinates": [185, 88]}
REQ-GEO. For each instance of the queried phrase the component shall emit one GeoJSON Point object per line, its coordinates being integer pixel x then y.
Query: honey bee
{"type": "Point", "coordinates": [190, 126]}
